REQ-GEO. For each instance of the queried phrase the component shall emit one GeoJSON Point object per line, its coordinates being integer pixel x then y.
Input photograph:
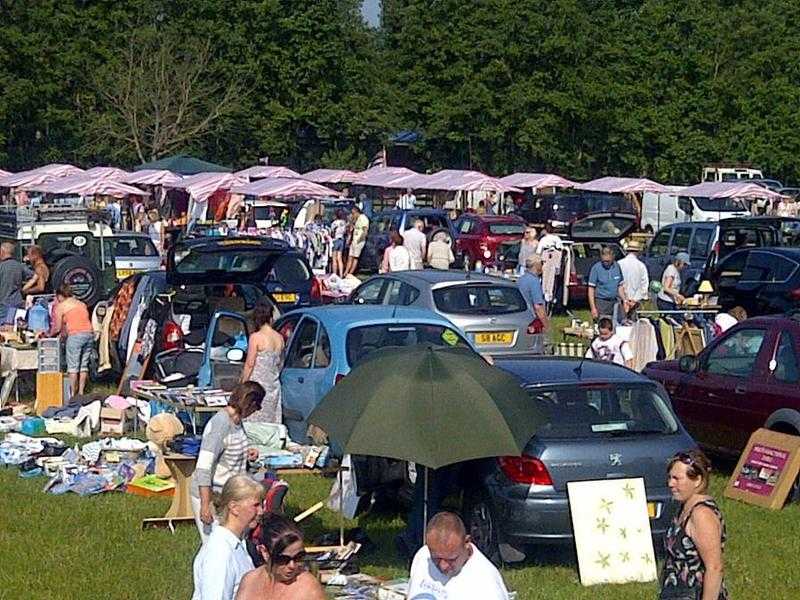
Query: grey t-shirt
{"type": "Point", "coordinates": [13, 275]}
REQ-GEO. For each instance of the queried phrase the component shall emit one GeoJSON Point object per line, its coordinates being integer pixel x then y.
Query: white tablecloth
{"type": "Point", "coordinates": [14, 359]}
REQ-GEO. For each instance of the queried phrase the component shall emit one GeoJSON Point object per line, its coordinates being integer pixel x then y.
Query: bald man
{"type": "Point", "coordinates": [13, 277]}
{"type": "Point", "coordinates": [450, 567]}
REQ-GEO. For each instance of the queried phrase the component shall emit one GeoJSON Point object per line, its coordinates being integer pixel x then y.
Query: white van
{"type": "Point", "coordinates": [660, 210]}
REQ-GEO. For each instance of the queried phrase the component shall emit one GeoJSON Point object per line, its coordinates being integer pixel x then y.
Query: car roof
{"type": "Point", "coordinates": [770, 320]}
{"type": "Point", "coordinates": [133, 234]}
{"type": "Point", "coordinates": [546, 371]}
{"type": "Point", "coordinates": [238, 242]}
{"type": "Point", "coordinates": [495, 218]}
{"type": "Point", "coordinates": [788, 252]}
{"type": "Point", "coordinates": [334, 315]}
{"type": "Point", "coordinates": [435, 276]}
{"type": "Point", "coordinates": [416, 211]}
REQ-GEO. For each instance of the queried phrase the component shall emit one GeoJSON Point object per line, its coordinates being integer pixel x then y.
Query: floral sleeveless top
{"type": "Point", "coordinates": [683, 567]}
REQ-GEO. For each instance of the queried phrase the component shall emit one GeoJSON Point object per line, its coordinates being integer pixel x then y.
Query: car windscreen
{"type": "Point", "coordinates": [720, 204]}
{"type": "Point", "coordinates": [603, 410]}
{"type": "Point", "coordinates": [384, 224]}
{"type": "Point", "coordinates": [506, 228]}
{"type": "Point", "coordinates": [362, 341]}
{"type": "Point", "coordinates": [479, 299]}
{"type": "Point", "coordinates": [288, 269]}
{"type": "Point", "coordinates": [134, 246]}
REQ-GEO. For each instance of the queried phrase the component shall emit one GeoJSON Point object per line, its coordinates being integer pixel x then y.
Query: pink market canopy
{"type": "Point", "coordinates": [202, 186]}
{"type": "Point", "coordinates": [332, 176]}
{"type": "Point", "coordinates": [5, 173]}
{"type": "Point", "coordinates": [39, 175]}
{"type": "Point", "coordinates": [621, 185]}
{"type": "Point", "coordinates": [112, 173]}
{"type": "Point", "coordinates": [84, 185]}
{"type": "Point", "coordinates": [386, 177]}
{"type": "Point", "coordinates": [728, 189]}
{"type": "Point", "coordinates": [486, 184]}
{"type": "Point", "coordinates": [265, 171]}
{"type": "Point", "coordinates": [151, 177]}
{"type": "Point", "coordinates": [278, 187]}
{"type": "Point", "coordinates": [445, 180]}
{"type": "Point", "coordinates": [537, 180]}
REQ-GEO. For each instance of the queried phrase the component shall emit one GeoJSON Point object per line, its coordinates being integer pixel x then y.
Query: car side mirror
{"type": "Point", "coordinates": [688, 364]}
{"type": "Point", "coordinates": [235, 355]}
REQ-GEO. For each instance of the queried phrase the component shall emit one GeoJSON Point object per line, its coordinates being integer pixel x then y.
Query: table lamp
{"type": "Point", "coordinates": [705, 287]}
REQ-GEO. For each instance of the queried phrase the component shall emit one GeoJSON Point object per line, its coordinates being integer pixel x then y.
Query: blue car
{"type": "Point", "coordinates": [325, 342]}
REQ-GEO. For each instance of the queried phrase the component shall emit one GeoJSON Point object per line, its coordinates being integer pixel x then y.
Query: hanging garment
{"type": "Point", "coordinates": [643, 343]}
{"type": "Point", "coordinates": [104, 356]}
{"type": "Point", "coordinates": [550, 269]}
{"type": "Point", "coordinates": [122, 304]}
{"type": "Point", "coordinates": [660, 354]}
{"type": "Point", "coordinates": [667, 338]}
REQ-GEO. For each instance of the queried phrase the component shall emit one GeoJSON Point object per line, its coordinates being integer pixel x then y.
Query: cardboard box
{"type": "Point", "coordinates": [114, 421]}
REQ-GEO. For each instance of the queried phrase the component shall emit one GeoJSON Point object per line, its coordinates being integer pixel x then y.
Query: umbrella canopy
{"type": "Point", "coordinates": [201, 186]}
{"type": "Point", "coordinates": [537, 180]}
{"type": "Point", "coordinates": [729, 189]}
{"type": "Point", "coordinates": [39, 175]}
{"type": "Point", "coordinates": [263, 172]}
{"type": "Point", "coordinates": [486, 184]}
{"type": "Point", "coordinates": [284, 187]}
{"type": "Point", "coordinates": [621, 185]}
{"type": "Point", "coordinates": [183, 165]}
{"type": "Point", "coordinates": [112, 173]}
{"type": "Point", "coordinates": [426, 404]}
{"type": "Point", "coordinates": [83, 185]}
{"type": "Point", "coordinates": [332, 176]}
{"type": "Point", "coordinates": [151, 177]}
{"type": "Point", "coordinates": [386, 177]}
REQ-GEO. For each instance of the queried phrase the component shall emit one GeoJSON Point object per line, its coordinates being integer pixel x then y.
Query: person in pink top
{"type": "Point", "coordinates": [71, 321]}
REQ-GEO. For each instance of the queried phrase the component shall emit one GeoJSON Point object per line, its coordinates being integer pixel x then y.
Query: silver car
{"type": "Point", "coordinates": [134, 252]}
{"type": "Point", "coordinates": [490, 311]}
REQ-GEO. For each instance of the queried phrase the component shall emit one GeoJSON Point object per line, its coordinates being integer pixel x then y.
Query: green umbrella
{"type": "Point", "coordinates": [431, 405]}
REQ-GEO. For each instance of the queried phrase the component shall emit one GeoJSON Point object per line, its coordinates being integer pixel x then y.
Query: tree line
{"type": "Point", "coordinates": [580, 87]}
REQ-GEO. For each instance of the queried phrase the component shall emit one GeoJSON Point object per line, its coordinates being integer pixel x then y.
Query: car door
{"type": "Point", "coordinates": [370, 292]}
{"type": "Point", "coordinates": [715, 400]}
{"type": "Point", "coordinates": [778, 389]}
{"type": "Point", "coordinates": [467, 239]}
{"type": "Point", "coordinates": [657, 256]}
{"type": "Point", "coordinates": [305, 372]}
{"type": "Point", "coordinates": [224, 352]}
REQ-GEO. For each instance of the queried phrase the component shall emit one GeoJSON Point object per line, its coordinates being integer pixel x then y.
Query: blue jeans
{"type": "Point", "coordinates": [79, 349]}
{"type": "Point", "coordinates": [440, 484]}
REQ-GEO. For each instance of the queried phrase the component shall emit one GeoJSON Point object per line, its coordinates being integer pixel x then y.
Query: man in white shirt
{"type": "Point", "coordinates": [635, 280]}
{"type": "Point", "coordinates": [416, 242]}
{"type": "Point", "coordinates": [549, 241]}
{"type": "Point", "coordinates": [450, 567]}
{"type": "Point", "coordinates": [610, 347]}
{"type": "Point", "coordinates": [407, 201]}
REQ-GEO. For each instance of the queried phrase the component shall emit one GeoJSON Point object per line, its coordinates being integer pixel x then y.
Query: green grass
{"type": "Point", "coordinates": [67, 547]}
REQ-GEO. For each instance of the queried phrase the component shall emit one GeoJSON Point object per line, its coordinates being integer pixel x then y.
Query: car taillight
{"type": "Point", "coordinates": [316, 289]}
{"type": "Point", "coordinates": [573, 278]}
{"type": "Point", "coordinates": [795, 294]}
{"type": "Point", "coordinates": [172, 335]}
{"type": "Point", "coordinates": [535, 326]}
{"type": "Point", "coordinates": [525, 469]}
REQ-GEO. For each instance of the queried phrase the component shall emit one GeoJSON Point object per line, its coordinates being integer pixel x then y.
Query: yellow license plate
{"type": "Point", "coordinates": [494, 337]}
{"type": "Point", "coordinates": [123, 273]}
{"type": "Point", "coordinates": [285, 297]}
{"type": "Point", "coordinates": [651, 510]}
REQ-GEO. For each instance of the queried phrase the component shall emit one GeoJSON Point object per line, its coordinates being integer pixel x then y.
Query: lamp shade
{"type": "Point", "coordinates": [706, 287]}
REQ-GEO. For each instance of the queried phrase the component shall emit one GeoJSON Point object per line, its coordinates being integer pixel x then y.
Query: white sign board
{"type": "Point", "coordinates": [612, 531]}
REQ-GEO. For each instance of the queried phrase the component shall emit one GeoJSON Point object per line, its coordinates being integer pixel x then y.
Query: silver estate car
{"type": "Point", "coordinates": [491, 311]}
{"type": "Point", "coordinates": [134, 253]}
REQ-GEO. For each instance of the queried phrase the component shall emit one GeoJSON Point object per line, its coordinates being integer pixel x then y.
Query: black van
{"type": "Point", "coordinates": [706, 243]}
{"type": "Point", "coordinates": [561, 210]}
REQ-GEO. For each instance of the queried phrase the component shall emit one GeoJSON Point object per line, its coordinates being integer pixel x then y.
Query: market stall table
{"type": "Point", "coordinates": [13, 359]}
{"type": "Point", "coordinates": [176, 398]}
{"type": "Point", "coordinates": [181, 467]}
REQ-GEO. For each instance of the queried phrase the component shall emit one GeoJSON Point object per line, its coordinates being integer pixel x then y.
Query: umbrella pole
{"type": "Point", "coordinates": [341, 508]}
{"type": "Point", "coordinates": [425, 506]}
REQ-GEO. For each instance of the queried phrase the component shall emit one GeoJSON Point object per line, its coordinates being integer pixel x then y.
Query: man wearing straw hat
{"type": "Point", "coordinates": [636, 281]}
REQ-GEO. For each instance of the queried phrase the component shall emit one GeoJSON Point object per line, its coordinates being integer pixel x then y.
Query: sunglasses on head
{"type": "Point", "coordinates": [685, 458]}
{"type": "Point", "coordinates": [283, 559]}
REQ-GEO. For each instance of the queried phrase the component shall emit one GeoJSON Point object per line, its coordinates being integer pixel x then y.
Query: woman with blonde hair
{"type": "Point", "coordinates": [694, 543]}
{"type": "Point", "coordinates": [223, 560]}
{"type": "Point", "coordinates": [282, 572]}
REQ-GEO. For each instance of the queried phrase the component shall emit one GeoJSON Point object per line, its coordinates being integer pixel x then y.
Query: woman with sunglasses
{"type": "Point", "coordinates": [282, 573]}
{"type": "Point", "coordinates": [693, 569]}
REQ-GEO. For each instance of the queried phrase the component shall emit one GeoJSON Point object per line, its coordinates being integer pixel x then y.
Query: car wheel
{"type": "Point", "coordinates": [481, 522]}
{"type": "Point", "coordinates": [81, 275]}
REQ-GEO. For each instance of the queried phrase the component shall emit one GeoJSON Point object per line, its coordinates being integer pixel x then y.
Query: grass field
{"type": "Point", "coordinates": [67, 547]}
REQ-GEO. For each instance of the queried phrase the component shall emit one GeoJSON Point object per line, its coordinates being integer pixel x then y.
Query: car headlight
{"type": "Point", "coordinates": [487, 254]}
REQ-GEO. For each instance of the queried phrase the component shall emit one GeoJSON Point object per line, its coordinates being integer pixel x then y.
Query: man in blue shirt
{"type": "Point", "coordinates": [530, 286]}
{"type": "Point", "coordinates": [606, 287]}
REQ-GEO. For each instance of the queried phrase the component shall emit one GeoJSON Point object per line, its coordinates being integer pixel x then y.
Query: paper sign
{"type": "Point", "coordinates": [612, 531]}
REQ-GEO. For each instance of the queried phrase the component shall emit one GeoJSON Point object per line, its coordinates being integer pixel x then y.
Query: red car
{"type": "Point", "coordinates": [747, 378]}
{"type": "Point", "coordinates": [480, 236]}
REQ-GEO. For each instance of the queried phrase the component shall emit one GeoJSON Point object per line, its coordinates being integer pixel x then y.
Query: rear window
{"type": "Point", "coordinates": [363, 341]}
{"type": "Point", "coordinates": [290, 270]}
{"type": "Point", "coordinates": [603, 410]}
{"type": "Point", "coordinates": [134, 246]}
{"type": "Point", "coordinates": [720, 204]}
{"type": "Point", "coordinates": [384, 224]}
{"type": "Point", "coordinates": [479, 300]}
{"type": "Point", "coordinates": [612, 227]}
{"type": "Point", "coordinates": [506, 228]}
{"type": "Point", "coordinates": [224, 262]}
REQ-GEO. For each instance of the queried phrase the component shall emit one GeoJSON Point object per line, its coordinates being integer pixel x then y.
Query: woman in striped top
{"type": "Point", "coordinates": [223, 452]}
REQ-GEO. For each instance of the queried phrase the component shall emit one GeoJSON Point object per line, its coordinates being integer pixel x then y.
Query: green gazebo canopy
{"type": "Point", "coordinates": [183, 165]}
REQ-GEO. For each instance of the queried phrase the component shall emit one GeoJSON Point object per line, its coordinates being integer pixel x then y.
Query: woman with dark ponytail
{"type": "Point", "coordinates": [282, 573]}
